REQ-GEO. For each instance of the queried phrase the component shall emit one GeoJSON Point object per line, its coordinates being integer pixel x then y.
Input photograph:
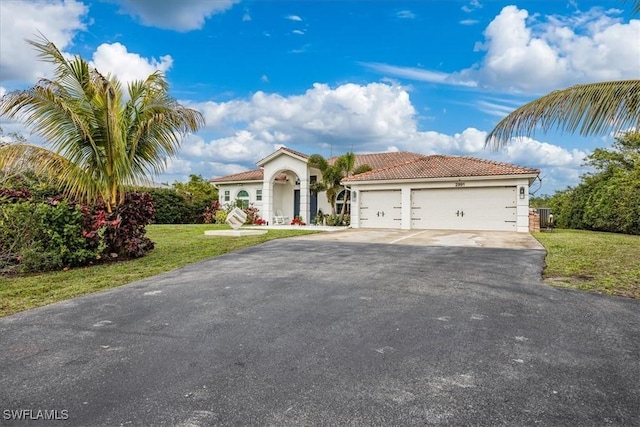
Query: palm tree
{"type": "Point", "coordinates": [332, 175]}
{"type": "Point", "coordinates": [592, 109]}
{"type": "Point", "coordinates": [102, 139]}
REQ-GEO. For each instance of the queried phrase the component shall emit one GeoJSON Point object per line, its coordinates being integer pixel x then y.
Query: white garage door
{"type": "Point", "coordinates": [490, 208]}
{"type": "Point", "coordinates": [381, 209]}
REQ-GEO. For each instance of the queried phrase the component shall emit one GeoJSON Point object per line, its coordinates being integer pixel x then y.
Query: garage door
{"type": "Point", "coordinates": [381, 209]}
{"type": "Point", "coordinates": [490, 208]}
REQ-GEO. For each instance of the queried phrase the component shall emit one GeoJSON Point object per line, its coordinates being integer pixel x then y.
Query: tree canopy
{"type": "Point", "coordinates": [102, 138]}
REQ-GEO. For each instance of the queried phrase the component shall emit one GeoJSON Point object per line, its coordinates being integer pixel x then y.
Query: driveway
{"type": "Point", "coordinates": [306, 332]}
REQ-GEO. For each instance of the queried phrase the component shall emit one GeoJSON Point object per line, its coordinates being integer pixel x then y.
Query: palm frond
{"type": "Point", "coordinates": [590, 109]}
{"type": "Point", "coordinates": [20, 157]}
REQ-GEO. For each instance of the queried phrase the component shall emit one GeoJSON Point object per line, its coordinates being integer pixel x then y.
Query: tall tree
{"type": "Point", "coordinates": [591, 109]}
{"type": "Point", "coordinates": [332, 174]}
{"type": "Point", "coordinates": [102, 139]}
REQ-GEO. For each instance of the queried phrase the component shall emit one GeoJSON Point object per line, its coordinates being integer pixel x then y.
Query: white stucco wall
{"type": "Point", "coordinates": [522, 205]}
{"type": "Point", "coordinates": [234, 189]}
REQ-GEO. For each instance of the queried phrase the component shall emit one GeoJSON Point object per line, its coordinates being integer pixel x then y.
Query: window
{"type": "Point", "coordinates": [227, 195]}
{"type": "Point", "coordinates": [243, 199]}
{"type": "Point", "coordinates": [340, 202]}
{"type": "Point", "coordinates": [258, 195]}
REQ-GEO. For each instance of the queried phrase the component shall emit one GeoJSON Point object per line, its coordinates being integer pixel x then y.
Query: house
{"type": "Point", "coordinates": [403, 190]}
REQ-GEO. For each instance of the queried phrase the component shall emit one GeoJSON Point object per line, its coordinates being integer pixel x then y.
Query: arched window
{"type": "Point", "coordinates": [340, 202]}
{"type": "Point", "coordinates": [243, 199]}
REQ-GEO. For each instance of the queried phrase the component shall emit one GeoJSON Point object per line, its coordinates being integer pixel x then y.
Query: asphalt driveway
{"type": "Point", "coordinates": [303, 332]}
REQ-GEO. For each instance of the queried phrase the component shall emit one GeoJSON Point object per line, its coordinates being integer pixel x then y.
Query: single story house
{"type": "Point", "coordinates": [403, 190]}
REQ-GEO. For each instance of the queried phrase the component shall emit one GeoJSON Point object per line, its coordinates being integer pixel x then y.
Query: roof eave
{"type": "Point", "coordinates": [530, 176]}
{"type": "Point", "coordinates": [245, 181]}
{"type": "Point", "coordinates": [278, 153]}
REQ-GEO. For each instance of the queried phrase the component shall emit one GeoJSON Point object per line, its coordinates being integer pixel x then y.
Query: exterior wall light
{"type": "Point", "coordinates": [521, 193]}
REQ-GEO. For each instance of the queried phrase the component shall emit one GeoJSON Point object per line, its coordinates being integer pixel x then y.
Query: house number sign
{"type": "Point", "coordinates": [459, 184]}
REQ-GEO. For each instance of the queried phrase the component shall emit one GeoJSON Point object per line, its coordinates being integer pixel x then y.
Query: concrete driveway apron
{"type": "Point", "coordinates": [321, 332]}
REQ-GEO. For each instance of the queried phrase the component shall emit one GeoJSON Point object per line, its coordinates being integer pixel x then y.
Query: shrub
{"type": "Point", "coordinates": [170, 206]}
{"type": "Point", "coordinates": [210, 212]}
{"type": "Point", "coordinates": [42, 236]}
{"type": "Point", "coordinates": [297, 221]}
{"type": "Point", "coordinates": [221, 216]}
{"type": "Point", "coordinates": [124, 232]}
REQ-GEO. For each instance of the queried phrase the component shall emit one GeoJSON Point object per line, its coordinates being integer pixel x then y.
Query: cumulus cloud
{"type": "Point", "coordinates": [174, 15]}
{"type": "Point", "coordinates": [294, 18]}
{"type": "Point", "coordinates": [373, 112]}
{"type": "Point", "coordinates": [363, 118]}
{"type": "Point", "coordinates": [299, 32]}
{"type": "Point", "coordinates": [20, 20]}
{"type": "Point", "coordinates": [115, 59]}
{"type": "Point", "coordinates": [534, 54]}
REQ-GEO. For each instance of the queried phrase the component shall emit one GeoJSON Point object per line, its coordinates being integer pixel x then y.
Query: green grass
{"type": "Point", "coordinates": [602, 262]}
{"type": "Point", "coordinates": [176, 246]}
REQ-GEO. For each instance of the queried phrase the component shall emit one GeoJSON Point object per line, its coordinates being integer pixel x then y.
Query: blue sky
{"type": "Point", "coordinates": [332, 76]}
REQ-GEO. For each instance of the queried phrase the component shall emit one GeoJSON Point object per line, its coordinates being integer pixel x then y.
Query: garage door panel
{"type": "Point", "coordinates": [381, 209]}
{"type": "Point", "coordinates": [490, 208]}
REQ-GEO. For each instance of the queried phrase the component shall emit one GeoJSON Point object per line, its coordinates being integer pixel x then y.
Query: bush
{"type": "Point", "coordinates": [210, 213]}
{"type": "Point", "coordinates": [42, 236]}
{"type": "Point", "coordinates": [220, 216]}
{"type": "Point", "coordinates": [124, 229]}
{"type": "Point", "coordinates": [170, 206]}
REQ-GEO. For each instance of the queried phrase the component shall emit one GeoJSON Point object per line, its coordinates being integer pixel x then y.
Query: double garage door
{"type": "Point", "coordinates": [484, 208]}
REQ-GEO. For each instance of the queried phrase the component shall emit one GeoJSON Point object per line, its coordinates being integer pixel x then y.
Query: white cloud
{"type": "Point", "coordinates": [127, 66]}
{"type": "Point", "coordinates": [244, 145]}
{"type": "Point", "coordinates": [246, 17]}
{"type": "Point", "coordinates": [533, 54]}
{"type": "Point", "coordinates": [405, 14]}
{"type": "Point", "coordinates": [469, 22]}
{"type": "Point", "coordinates": [294, 18]}
{"type": "Point", "coordinates": [174, 15]}
{"type": "Point", "coordinates": [419, 74]}
{"type": "Point", "coordinates": [364, 118]}
{"type": "Point", "coordinates": [473, 5]}
{"type": "Point", "coordinates": [373, 113]}
{"type": "Point", "coordinates": [264, 78]}
{"type": "Point", "coordinates": [20, 20]}
{"type": "Point", "coordinates": [299, 32]}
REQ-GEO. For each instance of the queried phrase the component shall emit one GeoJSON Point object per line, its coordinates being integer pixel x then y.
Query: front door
{"type": "Point", "coordinates": [296, 204]}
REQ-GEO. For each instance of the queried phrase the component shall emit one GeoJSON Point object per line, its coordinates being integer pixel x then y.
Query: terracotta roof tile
{"type": "Point", "coordinates": [381, 160]}
{"type": "Point", "coordinates": [297, 153]}
{"type": "Point", "coordinates": [439, 166]}
{"type": "Point", "coordinates": [253, 175]}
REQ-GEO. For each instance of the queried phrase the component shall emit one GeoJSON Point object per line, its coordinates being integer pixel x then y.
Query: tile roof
{"type": "Point", "coordinates": [439, 166]}
{"type": "Point", "coordinates": [254, 175]}
{"type": "Point", "coordinates": [381, 160]}
{"type": "Point", "coordinates": [405, 165]}
{"type": "Point", "coordinates": [297, 153]}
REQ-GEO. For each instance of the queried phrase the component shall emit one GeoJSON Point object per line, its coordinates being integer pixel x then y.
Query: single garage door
{"type": "Point", "coordinates": [486, 208]}
{"type": "Point", "coordinates": [381, 209]}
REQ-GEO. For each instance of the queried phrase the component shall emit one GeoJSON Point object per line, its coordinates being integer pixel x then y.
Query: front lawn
{"type": "Point", "coordinates": [602, 262]}
{"type": "Point", "coordinates": [176, 246]}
